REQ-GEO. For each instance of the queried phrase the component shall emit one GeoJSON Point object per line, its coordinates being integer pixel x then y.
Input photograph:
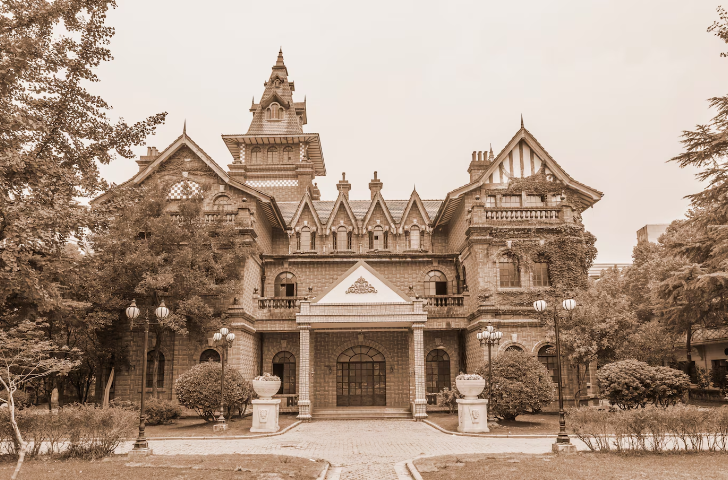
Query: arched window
{"type": "Point", "coordinates": [438, 374]}
{"type": "Point", "coordinates": [272, 155]}
{"type": "Point", "coordinates": [305, 239]}
{"type": "Point", "coordinates": [547, 356]}
{"type": "Point", "coordinates": [255, 155]}
{"type": "Point", "coordinates": [435, 283]}
{"type": "Point", "coordinates": [361, 378]}
{"type": "Point", "coordinates": [513, 348]}
{"type": "Point", "coordinates": [342, 238]}
{"type": "Point", "coordinates": [274, 112]}
{"type": "Point", "coordinates": [378, 238]}
{"type": "Point", "coordinates": [284, 366]}
{"type": "Point", "coordinates": [210, 355]}
{"type": "Point", "coordinates": [508, 273]}
{"type": "Point", "coordinates": [285, 285]}
{"type": "Point", "coordinates": [414, 235]}
{"type": "Point", "coordinates": [222, 200]}
{"type": "Point", "coordinates": [150, 370]}
{"type": "Point", "coordinates": [288, 155]}
{"type": "Point", "coordinates": [540, 272]}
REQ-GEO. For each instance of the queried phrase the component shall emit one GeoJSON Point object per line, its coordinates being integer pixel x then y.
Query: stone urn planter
{"type": "Point", "coordinates": [266, 386]}
{"type": "Point", "coordinates": [470, 385]}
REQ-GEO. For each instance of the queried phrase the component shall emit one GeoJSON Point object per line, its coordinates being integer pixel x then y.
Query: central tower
{"type": "Point", "coordinates": [275, 156]}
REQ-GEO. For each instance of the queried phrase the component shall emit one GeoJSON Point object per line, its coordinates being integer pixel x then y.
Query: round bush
{"type": "Point", "coordinates": [669, 386]}
{"type": "Point", "coordinates": [199, 390]}
{"type": "Point", "coordinates": [161, 411]}
{"type": "Point", "coordinates": [521, 384]}
{"type": "Point", "coordinates": [626, 384]}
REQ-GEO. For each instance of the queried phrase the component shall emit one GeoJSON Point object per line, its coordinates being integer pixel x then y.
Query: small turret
{"type": "Point", "coordinates": [344, 186]}
{"type": "Point", "coordinates": [375, 186]}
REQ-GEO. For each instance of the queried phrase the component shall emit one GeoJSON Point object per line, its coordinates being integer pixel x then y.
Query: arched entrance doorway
{"type": "Point", "coordinates": [361, 378]}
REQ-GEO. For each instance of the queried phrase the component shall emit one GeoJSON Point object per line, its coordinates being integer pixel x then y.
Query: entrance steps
{"type": "Point", "coordinates": [361, 413]}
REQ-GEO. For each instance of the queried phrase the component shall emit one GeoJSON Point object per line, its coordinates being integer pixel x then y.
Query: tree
{"type": "Point", "coordinates": [26, 355]}
{"type": "Point", "coordinates": [53, 134]}
{"type": "Point", "coordinates": [521, 384]}
{"type": "Point", "coordinates": [142, 252]}
{"type": "Point", "coordinates": [199, 389]}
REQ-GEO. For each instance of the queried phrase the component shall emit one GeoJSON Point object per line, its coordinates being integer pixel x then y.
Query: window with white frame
{"type": "Point", "coordinates": [414, 235]}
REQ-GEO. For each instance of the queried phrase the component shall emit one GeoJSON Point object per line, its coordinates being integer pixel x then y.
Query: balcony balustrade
{"type": "Point", "coordinates": [443, 300]}
{"type": "Point", "coordinates": [514, 214]}
{"type": "Point", "coordinates": [287, 303]}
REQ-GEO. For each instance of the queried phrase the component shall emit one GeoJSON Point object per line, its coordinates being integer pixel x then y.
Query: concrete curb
{"type": "Point", "coordinates": [229, 437]}
{"type": "Point", "coordinates": [324, 472]}
{"type": "Point", "coordinates": [413, 470]}
{"type": "Point", "coordinates": [486, 435]}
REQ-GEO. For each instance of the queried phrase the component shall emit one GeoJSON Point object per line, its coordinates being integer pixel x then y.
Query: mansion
{"type": "Point", "coordinates": [364, 302]}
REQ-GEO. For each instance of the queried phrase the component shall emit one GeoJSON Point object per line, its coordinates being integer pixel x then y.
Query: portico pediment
{"type": "Point", "coordinates": [362, 284]}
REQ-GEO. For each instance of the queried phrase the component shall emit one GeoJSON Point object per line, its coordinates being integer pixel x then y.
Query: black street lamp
{"type": "Point", "coordinates": [132, 313]}
{"type": "Point", "coordinates": [224, 338]}
{"type": "Point", "coordinates": [568, 305]}
{"type": "Point", "coordinates": [490, 337]}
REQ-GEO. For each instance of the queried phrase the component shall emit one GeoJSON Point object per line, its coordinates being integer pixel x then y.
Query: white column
{"type": "Point", "coordinates": [304, 373]}
{"type": "Point", "coordinates": [420, 412]}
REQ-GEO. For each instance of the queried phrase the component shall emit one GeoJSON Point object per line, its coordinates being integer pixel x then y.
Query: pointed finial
{"type": "Point", "coordinates": [521, 120]}
{"type": "Point", "coordinates": [252, 102]}
{"type": "Point", "coordinates": [279, 60]}
{"type": "Point", "coordinates": [491, 157]}
{"type": "Point", "coordinates": [184, 128]}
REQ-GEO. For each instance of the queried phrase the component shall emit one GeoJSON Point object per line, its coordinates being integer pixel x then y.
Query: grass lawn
{"type": "Point", "coordinates": [197, 427]}
{"type": "Point", "coordinates": [179, 467]}
{"type": "Point", "coordinates": [538, 424]}
{"type": "Point", "coordinates": [604, 466]}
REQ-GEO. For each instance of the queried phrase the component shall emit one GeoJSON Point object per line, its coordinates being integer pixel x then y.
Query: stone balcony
{"type": "Point", "coordinates": [445, 305]}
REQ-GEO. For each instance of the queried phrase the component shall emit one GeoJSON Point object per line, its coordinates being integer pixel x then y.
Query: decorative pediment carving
{"type": "Point", "coordinates": [361, 286]}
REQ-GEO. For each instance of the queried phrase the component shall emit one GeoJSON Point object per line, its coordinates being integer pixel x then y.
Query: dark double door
{"type": "Point", "coordinates": [361, 384]}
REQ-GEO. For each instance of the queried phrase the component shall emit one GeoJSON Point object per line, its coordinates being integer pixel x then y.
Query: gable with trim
{"type": "Point", "coordinates": [362, 284]}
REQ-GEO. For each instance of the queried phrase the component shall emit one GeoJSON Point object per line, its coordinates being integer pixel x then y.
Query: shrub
{"type": "Point", "coordinates": [449, 398]}
{"type": "Point", "coordinates": [627, 383]}
{"type": "Point", "coordinates": [21, 399]}
{"type": "Point", "coordinates": [199, 389]}
{"type": "Point", "coordinates": [669, 386]}
{"type": "Point", "coordinates": [161, 411]}
{"type": "Point", "coordinates": [703, 377]}
{"type": "Point", "coordinates": [521, 384]}
{"type": "Point", "coordinates": [73, 431]}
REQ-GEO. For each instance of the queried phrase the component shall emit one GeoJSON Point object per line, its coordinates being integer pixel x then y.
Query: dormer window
{"type": "Point", "coordinates": [342, 239]}
{"type": "Point", "coordinates": [306, 240]}
{"type": "Point", "coordinates": [274, 112]}
{"type": "Point", "coordinates": [377, 242]}
{"type": "Point", "coordinates": [414, 235]}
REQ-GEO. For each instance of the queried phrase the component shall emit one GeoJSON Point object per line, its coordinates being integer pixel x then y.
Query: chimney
{"type": "Point", "coordinates": [375, 185]}
{"type": "Point", "coordinates": [145, 160]}
{"type": "Point", "coordinates": [343, 186]}
{"type": "Point", "coordinates": [478, 165]}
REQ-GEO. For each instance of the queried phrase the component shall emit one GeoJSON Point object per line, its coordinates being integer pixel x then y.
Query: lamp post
{"type": "Point", "coordinates": [562, 440]}
{"type": "Point", "coordinates": [132, 313]}
{"type": "Point", "coordinates": [224, 338]}
{"type": "Point", "coordinates": [490, 337]}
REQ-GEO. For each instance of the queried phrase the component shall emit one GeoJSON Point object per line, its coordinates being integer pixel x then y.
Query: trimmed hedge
{"type": "Point", "coordinates": [630, 384]}
{"type": "Point", "coordinates": [159, 411]}
{"type": "Point", "coordinates": [199, 390]}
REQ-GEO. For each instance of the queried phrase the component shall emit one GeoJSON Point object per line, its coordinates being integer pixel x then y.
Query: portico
{"type": "Point", "coordinates": [369, 346]}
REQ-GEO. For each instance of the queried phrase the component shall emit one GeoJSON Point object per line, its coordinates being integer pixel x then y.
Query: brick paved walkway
{"type": "Point", "coordinates": [364, 449]}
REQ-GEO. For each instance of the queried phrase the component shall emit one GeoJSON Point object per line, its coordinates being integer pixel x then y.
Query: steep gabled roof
{"type": "Point", "coordinates": [417, 202]}
{"type": "Point", "coordinates": [452, 200]}
{"type": "Point", "coordinates": [342, 200]}
{"type": "Point", "coordinates": [270, 207]}
{"type": "Point", "coordinates": [306, 200]}
{"type": "Point", "coordinates": [378, 200]}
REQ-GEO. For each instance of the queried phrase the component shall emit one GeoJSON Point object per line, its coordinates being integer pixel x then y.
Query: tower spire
{"type": "Point", "coordinates": [184, 128]}
{"type": "Point", "coordinates": [522, 121]}
{"type": "Point", "coordinates": [491, 157]}
{"type": "Point", "coordinates": [279, 60]}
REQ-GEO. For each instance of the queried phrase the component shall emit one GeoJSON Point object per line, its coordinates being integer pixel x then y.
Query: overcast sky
{"type": "Point", "coordinates": [410, 89]}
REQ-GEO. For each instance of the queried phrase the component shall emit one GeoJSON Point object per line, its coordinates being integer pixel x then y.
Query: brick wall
{"type": "Point", "coordinates": [328, 346]}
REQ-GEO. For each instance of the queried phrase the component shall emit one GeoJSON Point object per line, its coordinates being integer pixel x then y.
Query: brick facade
{"type": "Point", "coordinates": [274, 200]}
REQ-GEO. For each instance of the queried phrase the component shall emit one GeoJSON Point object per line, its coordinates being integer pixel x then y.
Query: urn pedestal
{"type": "Point", "coordinates": [265, 415]}
{"type": "Point", "coordinates": [472, 415]}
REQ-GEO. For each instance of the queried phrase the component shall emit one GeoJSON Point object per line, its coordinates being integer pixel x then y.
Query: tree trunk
{"type": "Point", "coordinates": [107, 390]}
{"type": "Point", "coordinates": [577, 393]}
{"type": "Point", "coordinates": [18, 436]}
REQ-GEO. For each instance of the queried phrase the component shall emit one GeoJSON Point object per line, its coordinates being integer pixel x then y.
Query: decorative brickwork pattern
{"type": "Point", "coordinates": [304, 375]}
{"type": "Point", "coordinates": [420, 412]}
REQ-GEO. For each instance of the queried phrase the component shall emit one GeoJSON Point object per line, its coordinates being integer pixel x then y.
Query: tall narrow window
{"type": "Point", "coordinates": [255, 155]}
{"type": "Point", "coordinates": [508, 273]}
{"type": "Point", "coordinates": [540, 274]}
{"type": "Point", "coordinates": [437, 378]}
{"type": "Point", "coordinates": [285, 285]}
{"type": "Point", "coordinates": [414, 237]}
{"type": "Point", "coordinates": [435, 283]}
{"type": "Point", "coordinates": [305, 239]}
{"type": "Point", "coordinates": [378, 238]}
{"type": "Point", "coordinates": [288, 155]}
{"type": "Point", "coordinates": [150, 369]}
{"type": "Point", "coordinates": [547, 356]}
{"type": "Point", "coordinates": [284, 367]}
{"type": "Point", "coordinates": [272, 155]}
{"type": "Point", "coordinates": [342, 239]}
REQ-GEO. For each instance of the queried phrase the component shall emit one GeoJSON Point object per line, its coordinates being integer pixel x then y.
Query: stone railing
{"type": "Point", "coordinates": [443, 300]}
{"type": "Point", "coordinates": [522, 214]}
{"type": "Point", "coordinates": [279, 303]}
